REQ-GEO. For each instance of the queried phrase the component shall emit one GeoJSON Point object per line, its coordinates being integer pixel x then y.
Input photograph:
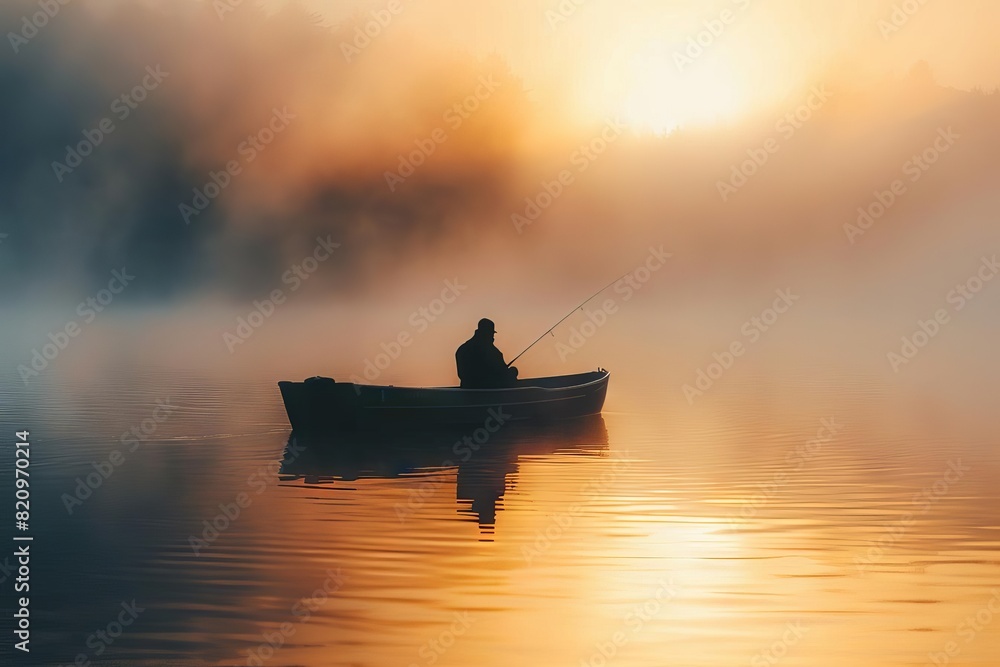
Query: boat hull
{"type": "Point", "coordinates": [321, 404]}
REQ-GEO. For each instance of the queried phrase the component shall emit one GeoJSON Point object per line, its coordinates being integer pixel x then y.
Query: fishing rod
{"type": "Point", "coordinates": [589, 299]}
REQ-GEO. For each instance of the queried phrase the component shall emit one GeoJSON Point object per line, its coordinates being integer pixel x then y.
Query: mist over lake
{"type": "Point", "coordinates": [285, 380]}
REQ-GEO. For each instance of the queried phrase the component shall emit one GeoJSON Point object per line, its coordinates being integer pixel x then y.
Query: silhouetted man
{"type": "Point", "coordinates": [480, 363]}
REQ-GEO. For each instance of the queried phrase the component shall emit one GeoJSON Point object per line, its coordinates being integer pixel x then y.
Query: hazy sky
{"type": "Point", "coordinates": [563, 68]}
{"type": "Point", "coordinates": [619, 58]}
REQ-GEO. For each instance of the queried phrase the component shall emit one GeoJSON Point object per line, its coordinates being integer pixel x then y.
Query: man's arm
{"type": "Point", "coordinates": [498, 365]}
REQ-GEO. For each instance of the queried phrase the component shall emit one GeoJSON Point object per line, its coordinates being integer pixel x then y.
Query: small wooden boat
{"type": "Point", "coordinates": [322, 404]}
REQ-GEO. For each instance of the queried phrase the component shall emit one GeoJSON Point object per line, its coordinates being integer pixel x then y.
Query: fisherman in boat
{"type": "Point", "coordinates": [480, 363]}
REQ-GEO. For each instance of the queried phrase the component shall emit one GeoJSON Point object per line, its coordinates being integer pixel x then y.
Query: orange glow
{"type": "Point", "coordinates": [660, 97]}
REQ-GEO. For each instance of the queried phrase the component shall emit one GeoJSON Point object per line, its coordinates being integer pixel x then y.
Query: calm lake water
{"type": "Point", "coordinates": [813, 518]}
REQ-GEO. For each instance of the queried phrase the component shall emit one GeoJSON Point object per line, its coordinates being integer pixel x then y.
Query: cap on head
{"type": "Point", "coordinates": [486, 326]}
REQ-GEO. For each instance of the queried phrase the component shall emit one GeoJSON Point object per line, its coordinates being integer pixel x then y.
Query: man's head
{"type": "Point", "coordinates": [486, 329]}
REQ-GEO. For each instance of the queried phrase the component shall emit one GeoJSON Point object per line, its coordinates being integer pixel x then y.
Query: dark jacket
{"type": "Point", "coordinates": [481, 365]}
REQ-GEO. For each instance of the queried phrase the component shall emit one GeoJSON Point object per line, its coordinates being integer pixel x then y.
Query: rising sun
{"type": "Point", "coordinates": [661, 95]}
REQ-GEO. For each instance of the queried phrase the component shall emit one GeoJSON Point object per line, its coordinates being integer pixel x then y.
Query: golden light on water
{"type": "Point", "coordinates": [447, 150]}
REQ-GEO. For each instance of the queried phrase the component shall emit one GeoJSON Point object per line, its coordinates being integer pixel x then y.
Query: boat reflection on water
{"type": "Point", "coordinates": [486, 463]}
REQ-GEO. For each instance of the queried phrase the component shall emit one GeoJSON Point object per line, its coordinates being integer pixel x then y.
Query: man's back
{"type": "Point", "coordinates": [481, 365]}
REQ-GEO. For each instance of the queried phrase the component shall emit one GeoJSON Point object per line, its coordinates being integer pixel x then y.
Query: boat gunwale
{"type": "Point", "coordinates": [604, 375]}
